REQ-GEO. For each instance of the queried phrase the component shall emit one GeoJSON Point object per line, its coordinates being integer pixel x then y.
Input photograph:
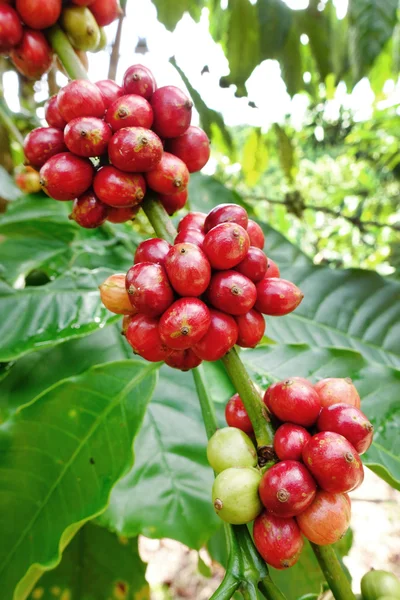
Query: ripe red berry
{"type": "Point", "coordinates": [251, 328]}
{"type": "Point", "coordinates": [335, 390]}
{"type": "Point", "coordinates": [109, 90]}
{"type": "Point", "coordinates": [130, 111]}
{"type": "Point", "coordinates": [105, 11]}
{"type": "Point", "coordinates": [172, 111]}
{"type": "Point", "coordinates": [278, 540]}
{"type": "Point", "coordinates": [272, 269]}
{"type": "Point", "coordinates": [226, 213]}
{"type": "Point", "coordinates": [127, 318]}
{"type": "Point", "coordinates": [173, 202]}
{"type": "Point", "coordinates": [184, 323]}
{"type": "Point", "coordinates": [254, 264]}
{"type": "Point", "coordinates": [287, 489]}
{"type": "Point", "coordinates": [153, 250]}
{"type": "Point", "coordinates": [277, 297]}
{"type": "Point", "coordinates": [38, 14]}
{"type": "Point", "coordinates": [327, 519]}
{"type": "Point", "coordinates": [119, 189]}
{"type": "Point", "coordinates": [191, 236]}
{"type": "Point", "coordinates": [289, 441]}
{"type": "Point", "coordinates": [42, 143]}
{"type": "Point", "coordinates": [349, 422]}
{"type": "Point", "coordinates": [193, 220]}
{"type": "Point", "coordinates": [10, 28]}
{"type": "Point", "coordinates": [143, 335]}
{"type": "Point", "coordinates": [135, 149]}
{"type": "Point", "coordinates": [232, 292]}
{"type": "Point", "coordinates": [122, 215]}
{"type": "Point", "coordinates": [170, 175]}
{"type": "Point", "coordinates": [226, 245]}
{"type": "Point", "coordinates": [33, 56]}
{"type": "Point", "coordinates": [114, 296]}
{"type": "Point", "coordinates": [149, 289]}
{"type": "Point", "coordinates": [66, 176]}
{"type": "Point", "coordinates": [188, 269]}
{"type": "Point", "coordinates": [80, 98]}
{"type": "Point", "coordinates": [193, 147]}
{"type": "Point", "coordinates": [87, 136]}
{"type": "Point", "coordinates": [293, 400]}
{"type": "Point", "coordinates": [184, 360]}
{"type": "Point", "coordinates": [256, 234]}
{"type": "Point", "coordinates": [236, 415]}
{"type": "Point", "coordinates": [221, 336]}
{"type": "Point", "coordinates": [52, 114]}
{"type": "Point", "coordinates": [139, 80]}
{"type": "Point", "coordinates": [88, 211]}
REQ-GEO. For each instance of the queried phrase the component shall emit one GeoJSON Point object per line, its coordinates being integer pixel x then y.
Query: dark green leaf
{"type": "Point", "coordinates": [275, 19]}
{"type": "Point", "coordinates": [290, 59]}
{"type": "Point", "coordinates": [317, 25]}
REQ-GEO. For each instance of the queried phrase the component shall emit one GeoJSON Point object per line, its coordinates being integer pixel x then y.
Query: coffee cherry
{"type": "Point", "coordinates": [333, 462]}
{"type": "Point", "coordinates": [190, 236]}
{"type": "Point", "coordinates": [235, 495]}
{"type": "Point", "coordinates": [149, 289]}
{"type": "Point", "coordinates": [42, 143]}
{"type": "Point", "coordinates": [38, 14]}
{"type": "Point", "coordinates": [10, 28]}
{"type": "Point", "coordinates": [80, 98]}
{"type": "Point", "coordinates": [87, 136]}
{"type": "Point", "coordinates": [139, 80]}
{"type": "Point", "coordinates": [289, 441]}
{"type": "Point", "coordinates": [231, 292]}
{"type": "Point", "coordinates": [287, 489]}
{"type": "Point", "coordinates": [110, 91]}
{"type": "Point", "coordinates": [226, 245]}
{"type": "Point", "coordinates": [349, 422]}
{"type": "Point", "coordinates": [33, 56]}
{"type": "Point", "coordinates": [327, 519]}
{"type": "Point", "coordinates": [130, 111]}
{"type": "Point", "coordinates": [66, 176]}
{"type": "Point", "coordinates": [184, 360]}
{"type": "Point", "coordinates": [277, 297]}
{"type": "Point", "coordinates": [81, 27]}
{"type": "Point", "coordinates": [221, 336]}
{"type": "Point", "coordinates": [335, 390]}
{"type": "Point", "coordinates": [293, 400]}
{"type": "Point", "coordinates": [226, 213]}
{"type": "Point", "coordinates": [173, 202]}
{"type": "Point", "coordinates": [88, 211]}
{"type": "Point", "coordinates": [122, 215]}
{"type": "Point", "coordinates": [126, 320]}
{"type": "Point", "coordinates": [114, 295]}
{"type": "Point", "coordinates": [230, 447]}
{"type": "Point", "coordinates": [236, 415]}
{"type": "Point", "coordinates": [143, 335]}
{"type": "Point", "coordinates": [379, 584]}
{"type": "Point", "coordinates": [184, 323]}
{"type": "Point", "coordinates": [188, 269]}
{"type": "Point", "coordinates": [278, 540]}
{"type": "Point", "coordinates": [272, 269]}
{"type": "Point", "coordinates": [52, 114]}
{"type": "Point", "coordinates": [172, 111]}
{"type": "Point", "coordinates": [193, 147]}
{"type": "Point", "coordinates": [193, 220]}
{"type": "Point", "coordinates": [105, 11]}
{"type": "Point", "coordinates": [117, 188]}
{"type": "Point", "coordinates": [254, 264]}
{"type": "Point", "coordinates": [28, 180]}
{"type": "Point", "coordinates": [135, 149]}
{"type": "Point", "coordinates": [256, 234]}
{"type": "Point", "coordinates": [251, 328]}
{"type": "Point", "coordinates": [170, 175]}
{"type": "Point", "coordinates": [153, 250]}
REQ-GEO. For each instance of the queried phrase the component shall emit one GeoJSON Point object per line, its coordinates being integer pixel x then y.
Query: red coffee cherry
{"type": "Point", "coordinates": [289, 441]}
{"type": "Point", "coordinates": [226, 213]}
{"type": "Point", "coordinates": [66, 176]}
{"type": "Point", "coordinates": [193, 147]}
{"type": "Point", "coordinates": [149, 289]}
{"type": "Point", "coordinates": [226, 245]}
{"type": "Point", "coordinates": [87, 136]}
{"type": "Point", "coordinates": [190, 236]}
{"type": "Point", "coordinates": [114, 296]}
{"type": "Point", "coordinates": [129, 111]}
{"type": "Point", "coordinates": [173, 202]}
{"type": "Point", "coordinates": [122, 215]}
{"type": "Point", "coordinates": [117, 188]}
{"type": "Point", "coordinates": [333, 462]}
{"type": "Point", "coordinates": [272, 269]}
{"type": "Point", "coordinates": [277, 297]}
{"type": "Point", "coordinates": [293, 400]}
{"type": "Point", "coordinates": [254, 264]}
{"type": "Point", "coordinates": [38, 14]}
{"type": "Point", "coordinates": [10, 28]}
{"type": "Point", "coordinates": [188, 269]}
{"type": "Point", "coordinates": [154, 250]}
{"type": "Point", "coordinates": [251, 327]}
{"type": "Point", "coordinates": [172, 111]}
{"type": "Point", "coordinates": [139, 80]}
{"type": "Point", "coordinates": [221, 336]}
{"type": "Point", "coordinates": [52, 114]}
{"type": "Point", "coordinates": [256, 234]}
{"type": "Point", "coordinates": [349, 422]}
{"type": "Point", "coordinates": [105, 11]}
{"type": "Point", "coordinates": [135, 149]}
{"type": "Point", "coordinates": [335, 390]}
{"type": "Point", "coordinates": [109, 90]}
{"type": "Point", "coordinates": [327, 519]}
{"type": "Point", "coordinates": [193, 220]}
{"type": "Point", "coordinates": [88, 211]}
{"type": "Point", "coordinates": [278, 540]}
{"type": "Point", "coordinates": [33, 56]}
{"type": "Point", "coordinates": [184, 323]}
{"type": "Point", "coordinates": [127, 319]}
{"type": "Point", "coordinates": [184, 360]}
{"type": "Point", "coordinates": [287, 489]}
{"type": "Point", "coordinates": [143, 335]}
{"type": "Point", "coordinates": [169, 175]}
{"type": "Point", "coordinates": [236, 415]}
{"type": "Point", "coordinates": [80, 98]}
{"type": "Point", "coordinates": [231, 292]}
{"type": "Point", "coordinates": [42, 143]}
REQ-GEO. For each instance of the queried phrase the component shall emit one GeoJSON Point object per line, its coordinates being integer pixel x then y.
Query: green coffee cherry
{"type": "Point", "coordinates": [235, 495]}
{"type": "Point", "coordinates": [230, 447]}
{"type": "Point", "coordinates": [376, 584]}
{"type": "Point", "coordinates": [103, 40]}
{"type": "Point", "coordinates": [81, 27]}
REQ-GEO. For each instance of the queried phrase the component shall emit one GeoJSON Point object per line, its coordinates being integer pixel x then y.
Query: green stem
{"type": "Point", "coordinates": [334, 574]}
{"type": "Point", "coordinates": [62, 47]}
{"type": "Point", "coordinates": [270, 590]}
{"type": "Point", "coordinates": [159, 219]}
{"type": "Point", "coordinates": [8, 123]}
{"type": "Point", "coordinates": [206, 403]}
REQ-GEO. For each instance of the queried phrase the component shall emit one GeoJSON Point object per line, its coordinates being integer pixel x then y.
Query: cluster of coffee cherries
{"type": "Point", "coordinates": [104, 147]}
{"type": "Point", "coordinates": [320, 435]}
{"type": "Point", "coordinates": [196, 299]}
{"type": "Point", "coordinates": [22, 22]}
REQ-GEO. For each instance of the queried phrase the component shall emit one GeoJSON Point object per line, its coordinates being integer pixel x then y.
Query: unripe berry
{"type": "Point", "coordinates": [33, 56]}
{"type": "Point", "coordinates": [53, 115]}
{"type": "Point", "coordinates": [377, 584]}
{"type": "Point", "coordinates": [278, 540]}
{"type": "Point", "coordinates": [293, 400]}
{"type": "Point", "coordinates": [193, 220]}
{"type": "Point", "coordinates": [109, 90]}
{"type": "Point", "coordinates": [335, 390]}
{"type": "Point", "coordinates": [87, 136]}
{"type": "Point", "coordinates": [226, 245]}
{"type": "Point", "coordinates": [129, 111]}
{"type": "Point", "coordinates": [327, 519]}
{"type": "Point", "coordinates": [139, 80]}
{"type": "Point", "coordinates": [349, 422]}
{"type": "Point", "coordinates": [226, 213]}
{"type": "Point", "coordinates": [122, 215]}
{"type": "Point", "coordinates": [254, 264]}
{"type": "Point", "coordinates": [277, 297]}
{"type": "Point", "coordinates": [114, 295]}
{"type": "Point", "coordinates": [188, 269]}
{"type": "Point", "coordinates": [272, 269]}
{"type": "Point", "coordinates": [28, 180]}
{"type": "Point", "coordinates": [184, 323]}
{"type": "Point", "coordinates": [193, 147]}
{"type": "Point", "coordinates": [289, 441]}
{"type": "Point", "coordinates": [230, 447]}
{"type": "Point", "coordinates": [168, 176]}
{"type": "Point", "coordinates": [149, 289]}
{"type": "Point", "coordinates": [256, 234]}
{"type": "Point", "coordinates": [80, 98]}
{"type": "Point", "coordinates": [88, 211]}
{"type": "Point", "coordinates": [251, 328]}
{"type": "Point", "coordinates": [66, 176]}
{"type": "Point", "coordinates": [172, 111]}
{"type": "Point", "coordinates": [153, 250]}
{"type": "Point", "coordinates": [287, 489]}
{"type": "Point", "coordinates": [190, 236]}
{"type": "Point", "coordinates": [221, 336]}
{"type": "Point", "coordinates": [43, 143]}
{"type": "Point", "coordinates": [236, 415]}
{"type": "Point", "coordinates": [143, 335]}
{"type": "Point", "coordinates": [173, 202]}
{"type": "Point", "coordinates": [117, 188]}
{"type": "Point", "coordinates": [184, 360]}
{"type": "Point", "coordinates": [10, 28]}
{"type": "Point", "coordinates": [231, 292]}
{"type": "Point", "coordinates": [135, 149]}
{"type": "Point", "coordinates": [81, 28]}
{"type": "Point", "coordinates": [235, 495]}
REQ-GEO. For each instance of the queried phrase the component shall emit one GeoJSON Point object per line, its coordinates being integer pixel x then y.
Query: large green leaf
{"type": "Point", "coordinates": [255, 156]}
{"type": "Point", "coordinates": [59, 458]}
{"type": "Point", "coordinates": [316, 24]}
{"type": "Point", "coordinates": [274, 22]}
{"type": "Point", "coordinates": [96, 564]}
{"type": "Point", "coordinates": [169, 13]}
{"type": "Point", "coordinates": [291, 62]}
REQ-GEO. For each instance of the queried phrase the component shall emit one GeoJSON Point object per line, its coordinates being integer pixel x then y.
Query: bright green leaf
{"type": "Point", "coordinates": [255, 157]}
{"type": "Point", "coordinates": [170, 13]}
{"type": "Point", "coordinates": [286, 152]}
